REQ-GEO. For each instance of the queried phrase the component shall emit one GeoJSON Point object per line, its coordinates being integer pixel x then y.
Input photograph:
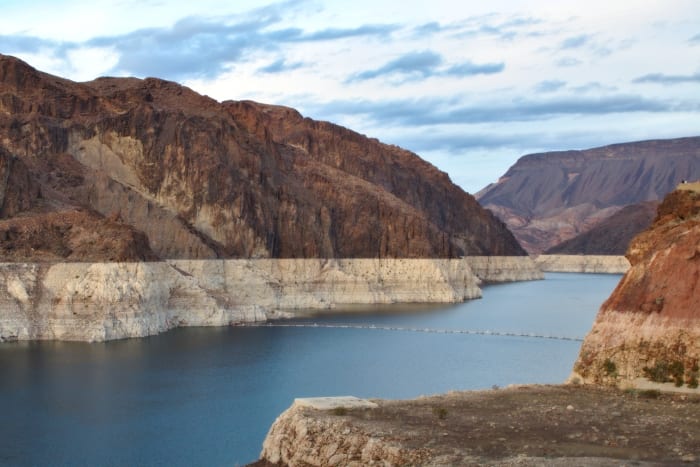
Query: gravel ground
{"type": "Point", "coordinates": [537, 425]}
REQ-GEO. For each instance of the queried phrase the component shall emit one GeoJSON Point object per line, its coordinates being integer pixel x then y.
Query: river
{"type": "Point", "coordinates": [206, 396]}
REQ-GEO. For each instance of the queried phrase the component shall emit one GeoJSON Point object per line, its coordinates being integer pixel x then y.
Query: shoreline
{"type": "Point", "coordinates": [518, 425]}
{"type": "Point", "coordinates": [586, 264]}
{"type": "Point", "coordinates": [103, 301]}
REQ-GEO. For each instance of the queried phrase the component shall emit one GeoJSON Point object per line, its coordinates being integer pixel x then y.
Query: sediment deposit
{"type": "Point", "coordinates": [102, 301]}
{"type": "Point", "coordinates": [649, 328]}
{"type": "Point", "coordinates": [583, 263]}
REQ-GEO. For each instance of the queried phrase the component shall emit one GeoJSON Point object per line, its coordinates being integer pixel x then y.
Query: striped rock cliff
{"type": "Point", "coordinates": [113, 300]}
{"type": "Point", "coordinates": [648, 331]}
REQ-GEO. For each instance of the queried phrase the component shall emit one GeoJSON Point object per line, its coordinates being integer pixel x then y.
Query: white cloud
{"type": "Point", "coordinates": [554, 55]}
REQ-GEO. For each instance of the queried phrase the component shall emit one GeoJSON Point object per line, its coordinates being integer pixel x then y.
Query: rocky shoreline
{"type": "Point", "coordinates": [104, 301]}
{"type": "Point", "coordinates": [594, 264]}
{"type": "Point", "coordinates": [523, 426]}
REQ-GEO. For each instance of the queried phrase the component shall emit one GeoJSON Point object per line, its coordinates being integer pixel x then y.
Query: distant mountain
{"type": "Point", "coordinates": [611, 236]}
{"type": "Point", "coordinates": [551, 197]}
{"type": "Point", "coordinates": [127, 169]}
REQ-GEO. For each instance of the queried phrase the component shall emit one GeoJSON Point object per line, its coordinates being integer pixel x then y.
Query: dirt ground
{"type": "Point", "coordinates": [539, 425]}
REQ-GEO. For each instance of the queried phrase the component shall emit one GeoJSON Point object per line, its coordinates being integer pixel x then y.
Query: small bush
{"type": "Point", "coordinates": [677, 370]}
{"type": "Point", "coordinates": [658, 373]}
{"type": "Point", "coordinates": [340, 411]}
{"type": "Point", "coordinates": [650, 393]}
{"type": "Point", "coordinates": [610, 368]}
{"type": "Point", "coordinates": [440, 412]}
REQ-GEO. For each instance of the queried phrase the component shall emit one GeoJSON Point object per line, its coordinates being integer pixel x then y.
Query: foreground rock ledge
{"type": "Point", "coordinates": [103, 301]}
{"type": "Point", "coordinates": [527, 425]}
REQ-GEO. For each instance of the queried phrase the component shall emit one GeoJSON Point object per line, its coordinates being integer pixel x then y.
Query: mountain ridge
{"type": "Point", "coordinates": [203, 179]}
{"type": "Point", "coordinates": [548, 198]}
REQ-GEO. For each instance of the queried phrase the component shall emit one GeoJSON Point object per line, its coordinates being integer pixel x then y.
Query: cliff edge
{"type": "Point", "coordinates": [648, 331]}
{"type": "Point", "coordinates": [516, 426]}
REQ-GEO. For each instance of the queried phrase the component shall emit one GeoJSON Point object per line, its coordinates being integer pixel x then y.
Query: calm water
{"type": "Point", "coordinates": [206, 396]}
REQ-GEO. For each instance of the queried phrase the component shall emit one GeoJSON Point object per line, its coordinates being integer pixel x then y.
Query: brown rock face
{"type": "Point", "coordinates": [548, 198]}
{"type": "Point", "coordinates": [200, 179]}
{"type": "Point", "coordinates": [650, 325]}
{"type": "Point", "coordinates": [611, 236]}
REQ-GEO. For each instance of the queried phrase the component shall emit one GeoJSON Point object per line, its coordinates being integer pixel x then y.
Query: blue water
{"type": "Point", "coordinates": [207, 396]}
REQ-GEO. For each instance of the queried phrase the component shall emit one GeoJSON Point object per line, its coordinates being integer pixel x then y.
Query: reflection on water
{"type": "Point", "coordinates": [208, 395]}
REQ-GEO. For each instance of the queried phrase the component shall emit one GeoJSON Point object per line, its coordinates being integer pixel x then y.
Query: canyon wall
{"type": "Point", "coordinates": [102, 301]}
{"type": "Point", "coordinates": [649, 328]}
{"type": "Point", "coordinates": [148, 169]}
{"type": "Point", "coordinates": [583, 263]}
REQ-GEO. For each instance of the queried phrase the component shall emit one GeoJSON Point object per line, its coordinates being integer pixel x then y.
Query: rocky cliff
{"type": "Point", "coordinates": [102, 301]}
{"type": "Point", "coordinates": [596, 264]}
{"type": "Point", "coordinates": [548, 198]}
{"type": "Point", "coordinates": [155, 170]}
{"type": "Point", "coordinates": [649, 328]}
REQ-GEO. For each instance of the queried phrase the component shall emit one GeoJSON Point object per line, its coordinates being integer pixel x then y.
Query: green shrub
{"type": "Point", "coordinates": [340, 411]}
{"type": "Point", "coordinates": [658, 373]}
{"type": "Point", "coordinates": [610, 368]}
{"type": "Point", "coordinates": [677, 370]}
{"type": "Point", "coordinates": [650, 394]}
{"type": "Point", "coordinates": [440, 412]}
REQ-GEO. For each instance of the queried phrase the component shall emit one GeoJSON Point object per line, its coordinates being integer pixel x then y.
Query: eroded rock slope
{"type": "Point", "coordinates": [152, 164]}
{"type": "Point", "coordinates": [649, 328]}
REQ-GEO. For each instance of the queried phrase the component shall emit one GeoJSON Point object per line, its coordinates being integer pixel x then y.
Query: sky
{"type": "Point", "coordinates": [468, 85]}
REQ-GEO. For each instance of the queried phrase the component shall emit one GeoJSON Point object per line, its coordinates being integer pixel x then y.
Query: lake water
{"type": "Point", "coordinates": [207, 396]}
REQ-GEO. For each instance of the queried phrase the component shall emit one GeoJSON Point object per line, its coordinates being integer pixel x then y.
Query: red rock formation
{"type": "Point", "coordinates": [548, 198]}
{"type": "Point", "coordinates": [202, 179]}
{"type": "Point", "coordinates": [650, 325]}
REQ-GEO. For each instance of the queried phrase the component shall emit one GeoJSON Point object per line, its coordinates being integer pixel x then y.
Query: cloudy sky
{"type": "Point", "coordinates": [468, 85]}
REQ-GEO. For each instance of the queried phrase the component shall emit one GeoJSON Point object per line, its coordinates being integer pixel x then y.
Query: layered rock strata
{"type": "Point", "coordinates": [504, 268]}
{"type": "Point", "coordinates": [649, 328]}
{"type": "Point", "coordinates": [548, 198]}
{"type": "Point", "coordinates": [515, 426]}
{"type": "Point", "coordinates": [192, 178]}
{"type": "Point", "coordinates": [583, 263]}
{"type": "Point", "coordinates": [102, 301]}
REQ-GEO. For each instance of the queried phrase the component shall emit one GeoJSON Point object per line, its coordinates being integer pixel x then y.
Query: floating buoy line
{"type": "Point", "coordinates": [407, 329]}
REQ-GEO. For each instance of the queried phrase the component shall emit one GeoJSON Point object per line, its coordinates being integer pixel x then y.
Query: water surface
{"type": "Point", "coordinates": [207, 396]}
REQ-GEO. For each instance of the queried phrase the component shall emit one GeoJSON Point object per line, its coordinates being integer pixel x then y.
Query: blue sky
{"type": "Point", "coordinates": [470, 86]}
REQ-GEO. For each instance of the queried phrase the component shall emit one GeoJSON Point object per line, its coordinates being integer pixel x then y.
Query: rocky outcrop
{"type": "Point", "coordinates": [303, 435]}
{"type": "Point", "coordinates": [600, 264]}
{"type": "Point", "coordinates": [515, 426]}
{"type": "Point", "coordinates": [548, 198]}
{"type": "Point", "coordinates": [201, 179]}
{"type": "Point", "coordinates": [102, 301]}
{"type": "Point", "coordinates": [649, 328]}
